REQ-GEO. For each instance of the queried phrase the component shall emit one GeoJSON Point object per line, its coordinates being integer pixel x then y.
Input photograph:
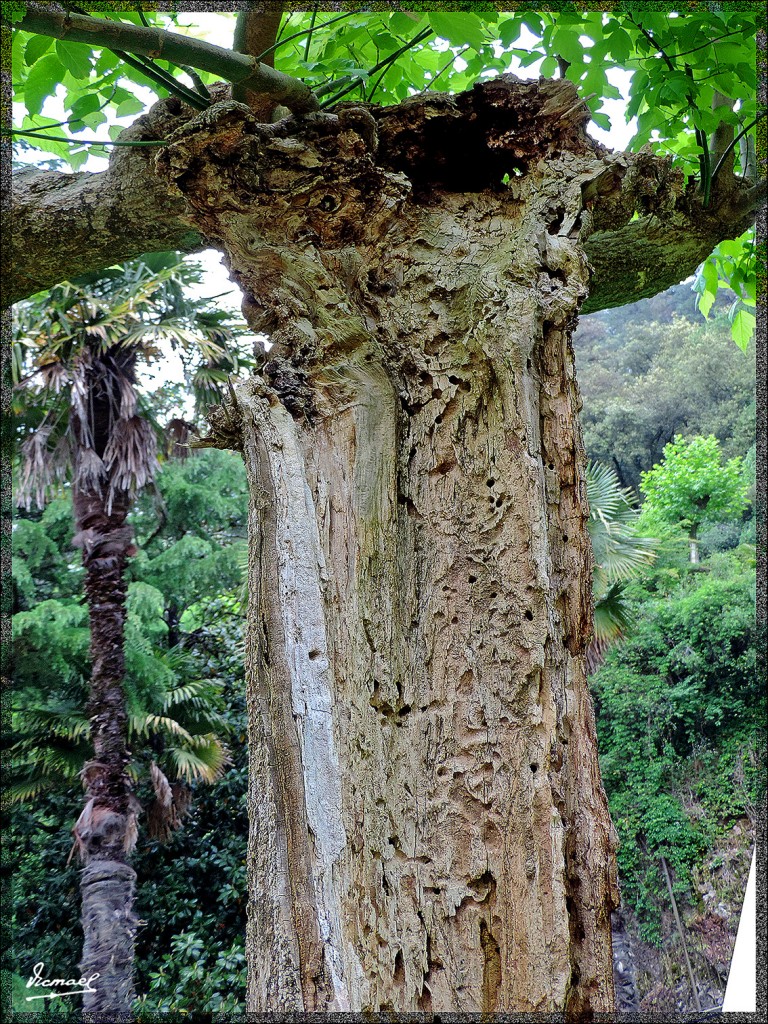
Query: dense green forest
{"type": "Point", "coordinates": [677, 698]}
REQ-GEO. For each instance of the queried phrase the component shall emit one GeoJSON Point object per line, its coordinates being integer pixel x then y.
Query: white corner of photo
{"type": "Point", "coordinates": [741, 990]}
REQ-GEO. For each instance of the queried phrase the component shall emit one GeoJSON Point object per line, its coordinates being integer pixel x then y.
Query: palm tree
{"type": "Point", "coordinates": [619, 552]}
{"type": "Point", "coordinates": [75, 356]}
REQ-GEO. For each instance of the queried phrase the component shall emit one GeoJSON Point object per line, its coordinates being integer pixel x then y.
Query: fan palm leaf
{"type": "Point", "coordinates": [619, 553]}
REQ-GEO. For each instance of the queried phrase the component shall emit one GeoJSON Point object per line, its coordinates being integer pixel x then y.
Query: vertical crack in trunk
{"type": "Point", "coordinates": [491, 968]}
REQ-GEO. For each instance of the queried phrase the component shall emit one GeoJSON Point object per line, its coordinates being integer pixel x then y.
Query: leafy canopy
{"type": "Point", "coordinates": [383, 57]}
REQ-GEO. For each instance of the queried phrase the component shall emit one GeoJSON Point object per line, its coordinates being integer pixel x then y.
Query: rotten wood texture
{"type": "Point", "coordinates": [67, 224]}
{"type": "Point", "coordinates": [429, 830]}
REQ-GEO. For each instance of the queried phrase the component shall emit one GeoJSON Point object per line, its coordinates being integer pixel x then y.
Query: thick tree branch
{"type": "Point", "coordinates": [161, 45]}
{"type": "Point", "coordinates": [721, 143]}
{"type": "Point", "coordinates": [255, 33]}
{"type": "Point", "coordinates": [63, 225]}
{"type": "Point", "coordinates": [649, 255]}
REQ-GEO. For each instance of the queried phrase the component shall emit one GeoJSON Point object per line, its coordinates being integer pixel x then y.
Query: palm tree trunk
{"type": "Point", "coordinates": [106, 830]}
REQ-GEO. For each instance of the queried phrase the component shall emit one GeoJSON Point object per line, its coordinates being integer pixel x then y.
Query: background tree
{"type": "Point", "coordinates": [80, 345]}
{"type": "Point", "coordinates": [419, 583]}
{"type": "Point", "coordinates": [191, 888]}
{"type": "Point", "coordinates": [692, 483]}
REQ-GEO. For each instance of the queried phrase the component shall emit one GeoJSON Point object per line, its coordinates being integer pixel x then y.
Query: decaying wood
{"type": "Point", "coordinates": [429, 830]}
{"type": "Point", "coordinates": [67, 224]}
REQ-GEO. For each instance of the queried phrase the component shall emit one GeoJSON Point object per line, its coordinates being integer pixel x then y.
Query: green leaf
{"type": "Point", "coordinates": [458, 28]}
{"type": "Point", "coordinates": [106, 61]}
{"type": "Point", "coordinates": [548, 67]}
{"type": "Point", "coordinates": [620, 44]}
{"type": "Point", "coordinates": [566, 44]}
{"type": "Point", "coordinates": [88, 121]}
{"type": "Point", "coordinates": [732, 247]}
{"type": "Point", "coordinates": [602, 121]}
{"type": "Point", "coordinates": [508, 31]}
{"type": "Point", "coordinates": [534, 23]}
{"type": "Point", "coordinates": [742, 328]}
{"type": "Point", "coordinates": [709, 274]}
{"type": "Point", "coordinates": [706, 301]}
{"type": "Point", "coordinates": [44, 76]}
{"type": "Point", "coordinates": [527, 57]}
{"type": "Point", "coordinates": [85, 105]}
{"type": "Point", "coordinates": [75, 57]}
{"type": "Point", "coordinates": [403, 23]}
{"type": "Point", "coordinates": [36, 47]}
{"type": "Point", "coordinates": [128, 106]}
{"type": "Point", "coordinates": [640, 82]}
{"type": "Point", "coordinates": [78, 158]}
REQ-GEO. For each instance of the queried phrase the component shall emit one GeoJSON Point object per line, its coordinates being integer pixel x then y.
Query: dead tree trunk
{"type": "Point", "coordinates": [429, 829]}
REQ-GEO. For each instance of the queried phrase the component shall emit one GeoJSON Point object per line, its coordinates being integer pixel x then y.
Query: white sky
{"type": "Point", "coordinates": [217, 28]}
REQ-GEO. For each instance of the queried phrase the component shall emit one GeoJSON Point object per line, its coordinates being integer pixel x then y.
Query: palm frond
{"type": "Point", "coordinates": [21, 791]}
{"type": "Point", "coordinates": [169, 725]}
{"type": "Point", "coordinates": [204, 759]}
{"type": "Point", "coordinates": [90, 472]}
{"type": "Point", "coordinates": [192, 693]}
{"type": "Point", "coordinates": [162, 818]}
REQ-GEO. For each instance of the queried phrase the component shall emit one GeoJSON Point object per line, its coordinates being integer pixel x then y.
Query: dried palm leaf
{"type": "Point", "coordinates": [62, 457]}
{"type": "Point", "coordinates": [182, 799]}
{"type": "Point", "coordinates": [54, 376]}
{"type": "Point", "coordinates": [36, 470]}
{"type": "Point", "coordinates": [130, 457]}
{"type": "Point", "coordinates": [127, 398]}
{"type": "Point", "coordinates": [90, 471]}
{"type": "Point", "coordinates": [162, 818]}
{"type": "Point", "coordinates": [79, 415]}
{"type": "Point", "coordinates": [131, 832]}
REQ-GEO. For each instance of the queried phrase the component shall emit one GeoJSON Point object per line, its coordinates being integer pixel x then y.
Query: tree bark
{"type": "Point", "coordinates": [64, 225]}
{"type": "Point", "coordinates": [429, 830]}
{"type": "Point", "coordinates": [693, 544]}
